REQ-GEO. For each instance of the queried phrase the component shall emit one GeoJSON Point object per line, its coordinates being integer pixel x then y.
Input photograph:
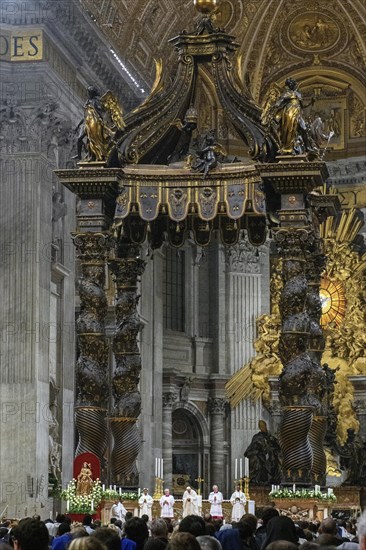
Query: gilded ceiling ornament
{"type": "Point", "coordinates": [313, 31]}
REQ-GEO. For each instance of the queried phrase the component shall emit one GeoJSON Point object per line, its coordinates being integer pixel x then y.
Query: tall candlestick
{"type": "Point", "coordinates": [156, 467]}
{"type": "Point", "coordinates": [236, 469]}
{"type": "Point", "coordinates": [246, 467]}
{"type": "Point", "coordinates": [162, 468]}
{"type": "Point", "coordinates": [241, 467]}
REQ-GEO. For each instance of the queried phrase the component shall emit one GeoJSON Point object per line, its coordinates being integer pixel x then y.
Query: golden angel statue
{"type": "Point", "coordinates": [283, 111]}
{"type": "Point", "coordinates": [102, 124]}
{"type": "Point", "coordinates": [84, 480]}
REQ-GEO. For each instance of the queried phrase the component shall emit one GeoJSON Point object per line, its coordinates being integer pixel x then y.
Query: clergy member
{"type": "Point", "coordinates": [238, 501]}
{"type": "Point", "coordinates": [118, 511]}
{"type": "Point", "coordinates": [167, 504]}
{"type": "Point", "coordinates": [215, 498]}
{"type": "Point", "coordinates": [190, 502]}
{"type": "Point", "coordinates": [145, 503]}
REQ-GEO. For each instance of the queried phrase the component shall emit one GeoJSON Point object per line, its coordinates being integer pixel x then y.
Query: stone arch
{"type": "Point", "coordinates": [190, 439]}
{"type": "Point", "coordinates": [196, 413]}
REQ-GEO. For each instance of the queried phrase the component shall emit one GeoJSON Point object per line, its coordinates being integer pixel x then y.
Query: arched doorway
{"type": "Point", "coordinates": [187, 450]}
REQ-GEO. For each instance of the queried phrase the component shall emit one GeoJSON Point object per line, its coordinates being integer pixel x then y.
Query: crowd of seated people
{"type": "Point", "coordinates": [269, 532]}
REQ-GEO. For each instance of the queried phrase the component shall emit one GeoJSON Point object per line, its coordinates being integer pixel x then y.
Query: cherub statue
{"type": "Point", "coordinates": [208, 154]}
{"type": "Point", "coordinates": [283, 111]}
{"type": "Point", "coordinates": [101, 126]}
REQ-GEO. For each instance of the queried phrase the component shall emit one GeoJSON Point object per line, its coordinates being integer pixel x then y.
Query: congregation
{"type": "Point", "coordinates": [271, 531]}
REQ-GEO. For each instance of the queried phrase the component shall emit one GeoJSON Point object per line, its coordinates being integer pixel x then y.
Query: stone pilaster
{"type": "Point", "coordinates": [216, 407]}
{"type": "Point", "coordinates": [169, 398]}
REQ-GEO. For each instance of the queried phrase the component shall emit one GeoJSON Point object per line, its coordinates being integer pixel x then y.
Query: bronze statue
{"type": "Point", "coordinates": [182, 149]}
{"type": "Point", "coordinates": [264, 457]}
{"type": "Point", "coordinates": [208, 154]}
{"type": "Point", "coordinates": [283, 111]}
{"type": "Point", "coordinates": [101, 125]}
{"type": "Point", "coordinates": [84, 480]}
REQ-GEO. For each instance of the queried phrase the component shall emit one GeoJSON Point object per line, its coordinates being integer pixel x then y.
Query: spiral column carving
{"type": "Point", "coordinates": [295, 443]}
{"type": "Point", "coordinates": [316, 437]}
{"type": "Point", "coordinates": [92, 364]}
{"type": "Point", "coordinates": [315, 263]}
{"type": "Point", "coordinates": [302, 380]}
{"type": "Point", "coordinates": [126, 376]}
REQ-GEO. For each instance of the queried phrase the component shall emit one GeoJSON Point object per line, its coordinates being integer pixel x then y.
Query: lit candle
{"type": "Point", "coordinates": [114, 488]}
{"type": "Point", "coordinates": [138, 492]}
{"type": "Point", "coordinates": [294, 487]}
{"type": "Point", "coordinates": [156, 467]}
{"type": "Point", "coordinates": [329, 492]}
{"type": "Point", "coordinates": [272, 489]}
{"type": "Point", "coordinates": [246, 467]}
{"type": "Point", "coordinates": [236, 469]}
{"type": "Point", "coordinates": [120, 491]}
{"type": "Point", "coordinates": [110, 487]}
{"type": "Point", "coordinates": [92, 506]}
{"type": "Point", "coordinates": [67, 505]}
{"type": "Point", "coordinates": [162, 468]}
{"type": "Point", "coordinates": [103, 487]}
{"type": "Point", "coordinates": [241, 468]}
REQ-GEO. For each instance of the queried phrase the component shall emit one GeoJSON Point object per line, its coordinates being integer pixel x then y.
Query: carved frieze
{"type": "Point", "coordinates": [243, 258]}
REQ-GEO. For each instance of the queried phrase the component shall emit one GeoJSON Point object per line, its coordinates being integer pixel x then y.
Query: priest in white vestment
{"type": "Point", "coordinates": [167, 505]}
{"type": "Point", "coordinates": [215, 498]}
{"type": "Point", "coordinates": [118, 511]}
{"type": "Point", "coordinates": [238, 500]}
{"type": "Point", "coordinates": [190, 502]}
{"type": "Point", "coordinates": [145, 503]}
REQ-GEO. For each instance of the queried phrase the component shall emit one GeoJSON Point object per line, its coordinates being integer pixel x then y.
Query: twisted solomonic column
{"type": "Point", "coordinates": [302, 380]}
{"type": "Point", "coordinates": [126, 376]}
{"type": "Point", "coordinates": [315, 263]}
{"type": "Point", "coordinates": [92, 364]}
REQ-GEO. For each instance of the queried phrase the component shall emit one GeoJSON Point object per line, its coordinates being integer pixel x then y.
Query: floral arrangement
{"type": "Point", "coordinates": [112, 494]}
{"type": "Point", "coordinates": [303, 493]}
{"type": "Point", "coordinates": [82, 504]}
{"type": "Point", "coordinates": [87, 504]}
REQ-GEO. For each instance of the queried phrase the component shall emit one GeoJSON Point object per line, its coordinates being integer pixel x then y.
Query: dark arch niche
{"type": "Point", "coordinates": [187, 450]}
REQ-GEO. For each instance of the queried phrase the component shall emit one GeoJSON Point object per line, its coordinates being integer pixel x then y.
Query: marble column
{"type": "Point", "coordinates": [216, 407]}
{"type": "Point", "coordinates": [169, 398]}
